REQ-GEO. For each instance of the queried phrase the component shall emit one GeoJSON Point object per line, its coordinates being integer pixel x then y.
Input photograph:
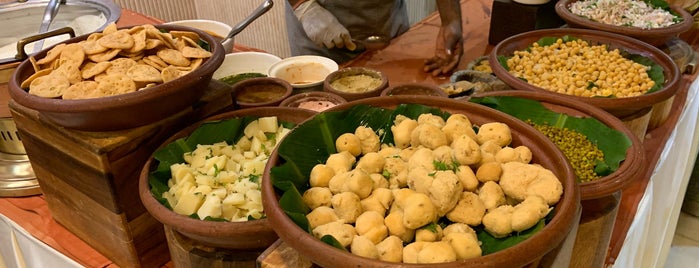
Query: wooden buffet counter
{"type": "Point", "coordinates": [402, 62]}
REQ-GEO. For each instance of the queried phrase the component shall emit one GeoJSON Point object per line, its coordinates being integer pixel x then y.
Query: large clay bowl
{"type": "Point", "coordinates": [620, 107]}
{"type": "Point", "coordinates": [257, 234]}
{"type": "Point", "coordinates": [123, 111]}
{"type": "Point", "coordinates": [529, 251]}
{"type": "Point", "coordinates": [630, 170]}
{"type": "Point", "coordinates": [656, 36]}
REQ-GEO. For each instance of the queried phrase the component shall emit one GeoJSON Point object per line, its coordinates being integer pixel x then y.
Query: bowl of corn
{"type": "Point", "coordinates": [619, 74]}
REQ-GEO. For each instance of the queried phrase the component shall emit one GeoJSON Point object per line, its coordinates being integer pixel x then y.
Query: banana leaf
{"type": "Point", "coordinates": [312, 143]}
{"type": "Point", "coordinates": [612, 142]}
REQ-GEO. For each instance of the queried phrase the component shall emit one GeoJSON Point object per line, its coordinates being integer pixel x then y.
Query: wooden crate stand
{"type": "Point", "coordinates": [90, 179]}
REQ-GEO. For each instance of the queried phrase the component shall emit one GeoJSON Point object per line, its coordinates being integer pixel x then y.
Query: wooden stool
{"type": "Point", "coordinates": [185, 252]}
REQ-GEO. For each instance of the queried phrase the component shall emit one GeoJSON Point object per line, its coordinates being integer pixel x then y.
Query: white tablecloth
{"type": "Point", "coordinates": [19, 249]}
{"type": "Point", "coordinates": [650, 235]}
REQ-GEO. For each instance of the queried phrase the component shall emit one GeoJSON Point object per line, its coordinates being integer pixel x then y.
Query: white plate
{"type": "Point", "coordinates": [245, 62]}
{"type": "Point", "coordinates": [213, 27]}
{"type": "Point", "coordinates": [303, 71]}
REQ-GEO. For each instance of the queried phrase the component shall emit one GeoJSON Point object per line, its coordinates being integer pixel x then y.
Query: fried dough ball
{"type": "Point", "coordinates": [320, 216]}
{"type": "Point", "coordinates": [348, 142]}
{"type": "Point", "coordinates": [468, 210]}
{"type": "Point", "coordinates": [363, 246]}
{"type": "Point", "coordinates": [320, 175]}
{"type": "Point", "coordinates": [341, 231]}
{"type": "Point", "coordinates": [347, 206]}
{"type": "Point", "coordinates": [317, 197]}
{"type": "Point", "coordinates": [402, 130]}
{"type": "Point", "coordinates": [496, 131]}
{"type": "Point", "coordinates": [371, 225]}
{"type": "Point", "coordinates": [390, 249]}
{"type": "Point", "coordinates": [368, 139]}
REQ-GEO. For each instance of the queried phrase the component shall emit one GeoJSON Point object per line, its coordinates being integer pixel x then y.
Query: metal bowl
{"type": "Point", "coordinates": [23, 19]}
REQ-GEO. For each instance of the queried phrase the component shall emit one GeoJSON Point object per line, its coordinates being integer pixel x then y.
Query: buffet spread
{"type": "Point", "coordinates": [369, 174]}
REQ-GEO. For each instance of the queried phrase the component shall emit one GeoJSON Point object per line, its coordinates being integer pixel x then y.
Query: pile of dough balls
{"type": "Point", "coordinates": [389, 202]}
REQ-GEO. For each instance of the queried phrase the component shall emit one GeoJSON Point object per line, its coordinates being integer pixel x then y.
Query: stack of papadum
{"type": "Point", "coordinates": [115, 61]}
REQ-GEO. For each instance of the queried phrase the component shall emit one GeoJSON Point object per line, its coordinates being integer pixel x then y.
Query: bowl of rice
{"type": "Point", "coordinates": [653, 22]}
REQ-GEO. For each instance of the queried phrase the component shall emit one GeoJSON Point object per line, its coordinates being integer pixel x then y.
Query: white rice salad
{"type": "Point", "coordinates": [632, 13]}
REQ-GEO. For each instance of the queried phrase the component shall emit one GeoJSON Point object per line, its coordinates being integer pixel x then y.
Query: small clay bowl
{"type": "Point", "coordinates": [260, 91]}
{"type": "Point", "coordinates": [245, 235]}
{"type": "Point", "coordinates": [313, 100]}
{"type": "Point", "coordinates": [415, 89]}
{"type": "Point", "coordinates": [356, 83]}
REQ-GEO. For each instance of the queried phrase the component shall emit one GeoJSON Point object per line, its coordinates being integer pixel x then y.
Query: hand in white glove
{"type": "Point", "coordinates": [322, 27]}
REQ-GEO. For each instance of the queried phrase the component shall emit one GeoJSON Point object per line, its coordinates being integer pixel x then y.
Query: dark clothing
{"type": "Point", "coordinates": [362, 18]}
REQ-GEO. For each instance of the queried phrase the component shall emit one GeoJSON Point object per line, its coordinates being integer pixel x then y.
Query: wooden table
{"type": "Point", "coordinates": [402, 62]}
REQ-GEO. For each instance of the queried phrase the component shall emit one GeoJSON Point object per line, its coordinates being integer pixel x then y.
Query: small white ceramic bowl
{"type": "Point", "coordinates": [216, 28]}
{"type": "Point", "coordinates": [245, 62]}
{"type": "Point", "coordinates": [303, 71]}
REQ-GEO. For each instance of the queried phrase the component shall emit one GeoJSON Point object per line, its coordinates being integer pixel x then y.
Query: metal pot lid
{"type": "Point", "coordinates": [23, 19]}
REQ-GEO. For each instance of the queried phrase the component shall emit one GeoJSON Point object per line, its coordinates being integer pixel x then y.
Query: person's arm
{"type": "Point", "coordinates": [321, 26]}
{"type": "Point", "coordinates": [449, 46]}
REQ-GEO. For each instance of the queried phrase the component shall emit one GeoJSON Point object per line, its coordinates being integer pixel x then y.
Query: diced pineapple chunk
{"type": "Point", "coordinates": [243, 144]}
{"type": "Point", "coordinates": [234, 199]}
{"type": "Point", "coordinates": [251, 129]}
{"type": "Point", "coordinates": [188, 203]}
{"type": "Point", "coordinates": [253, 167]}
{"type": "Point", "coordinates": [255, 147]}
{"type": "Point", "coordinates": [210, 208]}
{"type": "Point", "coordinates": [268, 124]}
{"type": "Point", "coordinates": [203, 189]}
{"type": "Point", "coordinates": [217, 180]}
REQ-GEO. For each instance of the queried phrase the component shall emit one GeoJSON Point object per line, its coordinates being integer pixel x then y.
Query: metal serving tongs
{"type": "Point", "coordinates": [49, 14]}
{"type": "Point", "coordinates": [228, 42]}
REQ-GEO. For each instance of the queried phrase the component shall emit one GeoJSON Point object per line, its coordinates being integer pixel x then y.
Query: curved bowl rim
{"type": "Point", "coordinates": [627, 172]}
{"type": "Point", "coordinates": [671, 86]}
{"type": "Point", "coordinates": [564, 12]}
{"type": "Point", "coordinates": [111, 102]}
{"type": "Point", "coordinates": [195, 227]}
{"type": "Point", "coordinates": [562, 224]}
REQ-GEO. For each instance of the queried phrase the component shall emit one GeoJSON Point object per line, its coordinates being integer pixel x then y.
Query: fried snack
{"type": "Point", "coordinates": [40, 73]}
{"type": "Point", "coordinates": [83, 90]}
{"type": "Point", "coordinates": [115, 61]}
{"type": "Point", "coordinates": [49, 86]}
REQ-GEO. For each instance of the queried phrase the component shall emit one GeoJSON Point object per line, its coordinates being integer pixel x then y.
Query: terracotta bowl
{"type": "Point", "coordinates": [257, 234]}
{"type": "Point", "coordinates": [415, 89]}
{"type": "Point", "coordinates": [630, 170]}
{"type": "Point", "coordinates": [347, 72]}
{"type": "Point", "coordinates": [313, 100]}
{"type": "Point", "coordinates": [261, 91]}
{"type": "Point", "coordinates": [620, 107]}
{"type": "Point", "coordinates": [123, 111]}
{"type": "Point", "coordinates": [529, 251]}
{"type": "Point", "coordinates": [656, 37]}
